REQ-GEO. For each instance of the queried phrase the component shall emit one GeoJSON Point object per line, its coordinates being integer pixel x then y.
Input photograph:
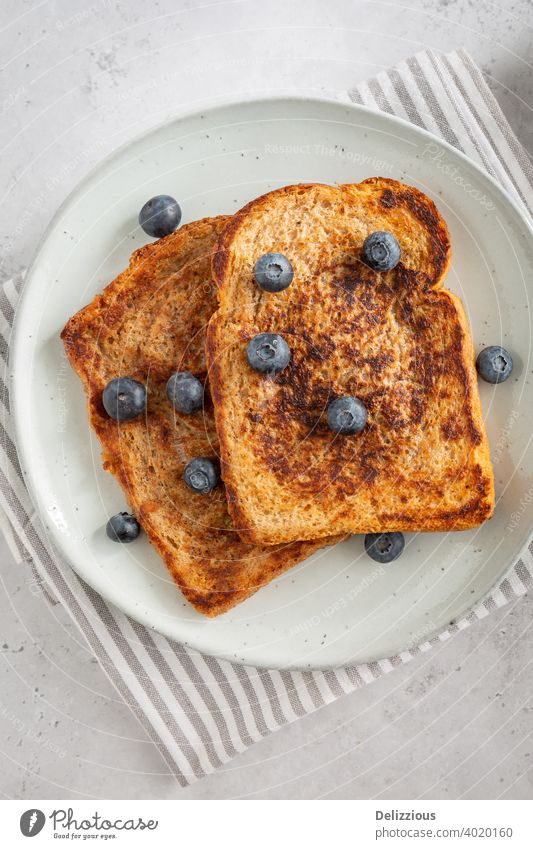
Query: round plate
{"type": "Point", "coordinates": [339, 607]}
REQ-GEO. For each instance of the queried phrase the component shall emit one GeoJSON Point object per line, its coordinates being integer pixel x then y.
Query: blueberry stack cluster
{"type": "Point", "coordinates": [269, 352]}
{"type": "Point", "coordinates": [125, 398]}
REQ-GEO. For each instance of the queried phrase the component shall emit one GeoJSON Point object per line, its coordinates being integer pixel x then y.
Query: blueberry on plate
{"type": "Point", "coordinates": [123, 528]}
{"type": "Point", "coordinates": [268, 353]}
{"type": "Point", "coordinates": [381, 251]}
{"type": "Point", "coordinates": [160, 216]}
{"type": "Point", "coordinates": [185, 392]}
{"type": "Point", "coordinates": [347, 415]}
{"type": "Point", "coordinates": [124, 399]}
{"type": "Point", "coordinates": [385, 547]}
{"type": "Point", "coordinates": [494, 364]}
{"type": "Point", "coordinates": [273, 272]}
{"type": "Point", "coordinates": [202, 475]}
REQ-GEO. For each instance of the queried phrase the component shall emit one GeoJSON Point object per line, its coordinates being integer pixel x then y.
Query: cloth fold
{"type": "Point", "coordinates": [201, 711]}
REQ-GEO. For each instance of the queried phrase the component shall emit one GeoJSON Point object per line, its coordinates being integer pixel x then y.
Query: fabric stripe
{"type": "Point", "coordinates": [505, 144]}
{"type": "Point", "coordinates": [333, 683]}
{"type": "Point", "coordinates": [283, 695]}
{"type": "Point", "coordinates": [9, 448]}
{"type": "Point", "coordinates": [405, 98]}
{"type": "Point", "coordinates": [323, 687]}
{"type": "Point", "coordinates": [507, 590]}
{"type": "Point", "coordinates": [292, 692]}
{"type": "Point", "coordinates": [3, 349]}
{"type": "Point", "coordinates": [209, 700]}
{"type": "Point", "coordinates": [252, 699]}
{"type": "Point", "coordinates": [378, 94]}
{"type": "Point", "coordinates": [4, 395]}
{"type": "Point", "coordinates": [356, 673]}
{"type": "Point", "coordinates": [487, 134]}
{"type": "Point", "coordinates": [312, 688]}
{"type": "Point", "coordinates": [347, 682]}
{"type": "Point", "coordinates": [6, 307]}
{"type": "Point", "coordinates": [432, 103]}
{"type": "Point", "coordinates": [490, 604]}
{"type": "Point", "coordinates": [270, 690]}
{"type": "Point", "coordinates": [356, 96]}
{"type": "Point", "coordinates": [475, 148]}
{"type": "Point", "coordinates": [231, 697]}
{"type": "Point", "coordinates": [524, 574]}
{"type": "Point", "coordinates": [178, 691]}
{"type": "Point", "coordinates": [492, 105]}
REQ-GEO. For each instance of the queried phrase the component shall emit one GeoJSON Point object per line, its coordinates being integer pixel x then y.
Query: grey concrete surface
{"type": "Point", "coordinates": [77, 79]}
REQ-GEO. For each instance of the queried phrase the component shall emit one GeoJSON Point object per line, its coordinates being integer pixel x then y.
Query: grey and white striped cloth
{"type": "Point", "coordinates": [198, 710]}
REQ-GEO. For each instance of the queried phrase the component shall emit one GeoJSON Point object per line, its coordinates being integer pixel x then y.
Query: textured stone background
{"type": "Point", "coordinates": [78, 78]}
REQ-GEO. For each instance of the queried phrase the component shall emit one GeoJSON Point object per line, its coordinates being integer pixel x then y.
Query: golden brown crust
{"type": "Point", "coordinates": [398, 341]}
{"type": "Point", "coordinates": [149, 322]}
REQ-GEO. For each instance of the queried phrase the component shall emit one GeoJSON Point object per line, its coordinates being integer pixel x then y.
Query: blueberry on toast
{"type": "Point", "coordinates": [148, 324]}
{"type": "Point", "coordinates": [366, 320]}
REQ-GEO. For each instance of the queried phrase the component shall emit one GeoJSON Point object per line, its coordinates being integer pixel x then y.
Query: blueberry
{"type": "Point", "coordinates": [381, 251]}
{"type": "Point", "coordinates": [160, 216]}
{"type": "Point", "coordinates": [384, 547]}
{"type": "Point", "coordinates": [494, 364]}
{"type": "Point", "coordinates": [273, 272]}
{"type": "Point", "coordinates": [201, 475]}
{"type": "Point", "coordinates": [124, 399]}
{"type": "Point", "coordinates": [268, 352]}
{"type": "Point", "coordinates": [123, 528]}
{"type": "Point", "coordinates": [347, 415]}
{"type": "Point", "coordinates": [185, 392]}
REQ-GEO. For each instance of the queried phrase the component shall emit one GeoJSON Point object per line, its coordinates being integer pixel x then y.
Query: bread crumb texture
{"type": "Point", "coordinates": [149, 322]}
{"type": "Point", "coordinates": [396, 340]}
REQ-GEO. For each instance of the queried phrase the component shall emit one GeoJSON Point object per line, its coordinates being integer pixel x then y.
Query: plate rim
{"type": "Point", "coordinates": [16, 356]}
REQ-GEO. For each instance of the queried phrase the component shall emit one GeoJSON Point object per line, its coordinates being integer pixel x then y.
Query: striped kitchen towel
{"type": "Point", "coordinates": [199, 710]}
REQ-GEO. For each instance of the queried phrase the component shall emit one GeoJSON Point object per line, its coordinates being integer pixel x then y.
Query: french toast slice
{"type": "Point", "coordinates": [149, 322]}
{"type": "Point", "coordinates": [395, 340]}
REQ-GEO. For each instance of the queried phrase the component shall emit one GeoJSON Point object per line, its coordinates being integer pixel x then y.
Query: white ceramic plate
{"type": "Point", "coordinates": [339, 607]}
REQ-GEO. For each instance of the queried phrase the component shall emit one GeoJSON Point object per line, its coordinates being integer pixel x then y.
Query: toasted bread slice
{"type": "Point", "coordinates": [396, 340]}
{"type": "Point", "coordinates": [148, 323]}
